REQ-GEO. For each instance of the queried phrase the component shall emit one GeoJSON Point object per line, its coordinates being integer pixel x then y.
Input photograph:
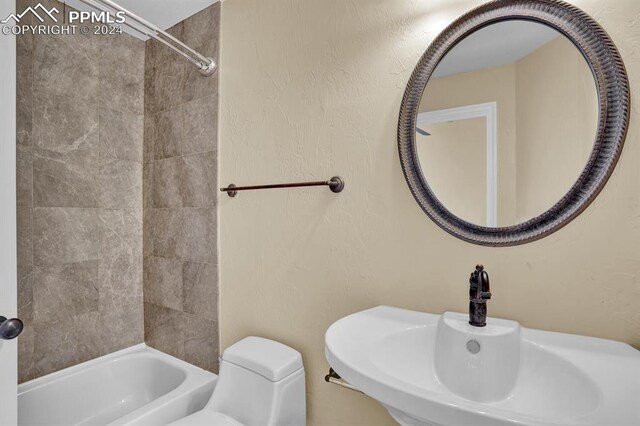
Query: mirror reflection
{"type": "Point", "coordinates": [507, 123]}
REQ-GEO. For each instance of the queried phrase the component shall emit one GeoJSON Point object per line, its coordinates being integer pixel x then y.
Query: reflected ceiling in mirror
{"type": "Point", "coordinates": [507, 123]}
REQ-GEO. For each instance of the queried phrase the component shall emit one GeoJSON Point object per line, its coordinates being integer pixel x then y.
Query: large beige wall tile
{"type": "Point", "coordinates": [80, 147]}
{"type": "Point", "coordinates": [180, 197]}
{"type": "Point", "coordinates": [64, 124]}
{"type": "Point", "coordinates": [25, 295]}
{"type": "Point", "coordinates": [65, 235]}
{"type": "Point", "coordinates": [121, 232]}
{"type": "Point", "coordinates": [66, 66]}
{"type": "Point", "coordinates": [165, 130]}
{"type": "Point", "coordinates": [120, 184]}
{"type": "Point", "coordinates": [66, 179]}
{"type": "Point", "coordinates": [164, 85]}
{"type": "Point", "coordinates": [167, 183]}
{"type": "Point", "coordinates": [25, 238]}
{"type": "Point", "coordinates": [164, 329]}
{"type": "Point", "coordinates": [24, 87]}
{"type": "Point", "coordinates": [201, 343]}
{"type": "Point", "coordinates": [26, 354]}
{"type": "Point", "coordinates": [163, 282]}
{"type": "Point", "coordinates": [121, 303]}
{"type": "Point", "coordinates": [198, 242]}
{"type": "Point", "coordinates": [199, 297]}
{"type": "Point", "coordinates": [64, 343]}
{"type": "Point", "coordinates": [187, 181]}
{"type": "Point", "coordinates": [65, 290]}
{"type": "Point", "coordinates": [157, 53]}
{"type": "Point", "coordinates": [117, 132]}
{"type": "Point", "coordinates": [188, 337]}
{"type": "Point", "coordinates": [121, 77]}
{"type": "Point", "coordinates": [200, 119]}
{"type": "Point", "coordinates": [24, 176]}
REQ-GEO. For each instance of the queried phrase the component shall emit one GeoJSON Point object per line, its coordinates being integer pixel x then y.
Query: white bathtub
{"type": "Point", "coordinates": [133, 387]}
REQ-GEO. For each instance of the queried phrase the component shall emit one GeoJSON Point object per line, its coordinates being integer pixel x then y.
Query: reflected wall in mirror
{"type": "Point", "coordinates": [507, 123]}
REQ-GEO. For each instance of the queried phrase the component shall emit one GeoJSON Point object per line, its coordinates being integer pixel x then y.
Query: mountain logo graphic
{"type": "Point", "coordinates": [34, 12]}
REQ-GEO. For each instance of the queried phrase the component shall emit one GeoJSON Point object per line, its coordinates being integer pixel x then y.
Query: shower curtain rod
{"type": "Point", "coordinates": [205, 65]}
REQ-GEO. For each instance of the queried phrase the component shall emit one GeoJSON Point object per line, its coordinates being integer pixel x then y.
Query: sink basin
{"type": "Point", "coordinates": [439, 370]}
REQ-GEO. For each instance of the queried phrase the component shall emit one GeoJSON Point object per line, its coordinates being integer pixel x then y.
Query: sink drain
{"type": "Point", "coordinates": [473, 346]}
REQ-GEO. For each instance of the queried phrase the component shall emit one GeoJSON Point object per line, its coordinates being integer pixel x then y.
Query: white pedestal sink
{"type": "Point", "coordinates": [439, 370]}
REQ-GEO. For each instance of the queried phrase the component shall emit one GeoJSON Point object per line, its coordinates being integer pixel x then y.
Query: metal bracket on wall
{"type": "Point", "coordinates": [335, 378]}
{"type": "Point", "coordinates": [335, 184]}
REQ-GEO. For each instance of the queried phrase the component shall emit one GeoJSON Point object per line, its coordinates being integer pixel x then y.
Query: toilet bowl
{"type": "Point", "coordinates": [261, 383]}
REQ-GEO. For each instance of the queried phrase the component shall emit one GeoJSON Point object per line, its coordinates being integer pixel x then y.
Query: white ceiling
{"type": "Point", "coordinates": [498, 44]}
{"type": "Point", "coordinates": [162, 13]}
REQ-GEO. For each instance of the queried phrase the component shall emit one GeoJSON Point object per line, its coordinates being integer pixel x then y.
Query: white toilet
{"type": "Point", "coordinates": [261, 383]}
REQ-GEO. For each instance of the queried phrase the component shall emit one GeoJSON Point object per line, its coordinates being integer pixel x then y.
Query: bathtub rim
{"type": "Point", "coordinates": [196, 379]}
{"type": "Point", "coordinates": [140, 348]}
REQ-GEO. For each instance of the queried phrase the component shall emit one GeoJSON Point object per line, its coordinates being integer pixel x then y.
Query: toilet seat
{"type": "Point", "coordinates": [208, 418]}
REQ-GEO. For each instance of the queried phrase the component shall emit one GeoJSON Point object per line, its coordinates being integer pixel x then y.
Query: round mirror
{"type": "Point", "coordinates": [513, 120]}
{"type": "Point", "coordinates": [506, 123]}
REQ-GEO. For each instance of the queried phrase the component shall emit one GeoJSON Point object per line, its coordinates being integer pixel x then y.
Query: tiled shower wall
{"type": "Point", "coordinates": [180, 172]}
{"type": "Point", "coordinates": [91, 111]}
{"type": "Point", "coordinates": [79, 169]}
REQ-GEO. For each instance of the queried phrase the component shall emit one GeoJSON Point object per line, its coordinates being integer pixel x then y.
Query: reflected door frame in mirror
{"type": "Point", "coordinates": [488, 111]}
{"type": "Point", "coordinates": [612, 85]}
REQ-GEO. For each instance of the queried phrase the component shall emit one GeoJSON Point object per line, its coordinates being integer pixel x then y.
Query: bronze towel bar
{"type": "Point", "coordinates": [335, 184]}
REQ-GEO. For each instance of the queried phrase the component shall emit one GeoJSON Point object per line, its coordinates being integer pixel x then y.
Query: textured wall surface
{"type": "Point", "coordinates": [180, 190]}
{"type": "Point", "coordinates": [79, 195]}
{"type": "Point", "coordinates": [311, 89]}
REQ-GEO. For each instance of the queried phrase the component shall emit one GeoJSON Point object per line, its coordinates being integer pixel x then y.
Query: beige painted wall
{"type": "Point", "coordinates": [310, 89]}
{"type": "Point", "coordinates": [556, 122]}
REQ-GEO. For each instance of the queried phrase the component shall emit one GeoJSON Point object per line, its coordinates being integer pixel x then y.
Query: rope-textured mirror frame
{"type": "Point", "coordinates": [614, 105]}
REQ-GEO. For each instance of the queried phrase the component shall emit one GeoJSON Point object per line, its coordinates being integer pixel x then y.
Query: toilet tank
{"type": "Point", "coordinates": [261, 383]}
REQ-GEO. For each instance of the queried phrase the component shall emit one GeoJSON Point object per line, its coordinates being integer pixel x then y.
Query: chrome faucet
{"type": "Point", "coordinates": [479, 293]}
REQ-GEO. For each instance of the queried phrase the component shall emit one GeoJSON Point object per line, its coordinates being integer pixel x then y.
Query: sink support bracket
{"type": "Point", "coordinates": [335, 378]}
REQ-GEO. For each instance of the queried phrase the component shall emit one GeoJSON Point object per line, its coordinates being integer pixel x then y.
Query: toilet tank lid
{"type": "Point", "coordinates": [270, 359]}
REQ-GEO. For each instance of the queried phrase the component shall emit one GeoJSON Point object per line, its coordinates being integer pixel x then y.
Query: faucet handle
{"type": "Point", "coordinates": [485, 290]}
{"type": "Point", "coordinates": [473, 279]}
